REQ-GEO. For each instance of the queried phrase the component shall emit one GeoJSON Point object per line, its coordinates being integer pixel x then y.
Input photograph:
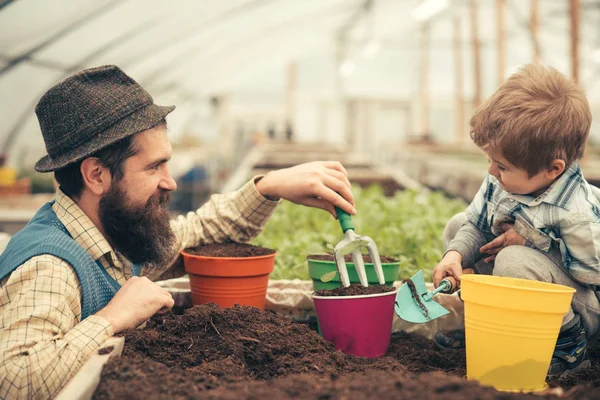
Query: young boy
{"type": "Point", "coordinates": [535, 216]}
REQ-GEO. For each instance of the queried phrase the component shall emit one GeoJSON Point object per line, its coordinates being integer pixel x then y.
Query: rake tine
{"type": "Point", "coordinates": [374, 253]}
{"type": "Point", "coordinates": [359, 265]}
{"type": "Point", "coordinates": [341, 266]}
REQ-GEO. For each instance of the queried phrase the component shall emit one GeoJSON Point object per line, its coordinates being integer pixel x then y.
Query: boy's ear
{"type": "Point", "coordinates": [556, 168]}
{"type": "Point", "coordinates": [95, 176]}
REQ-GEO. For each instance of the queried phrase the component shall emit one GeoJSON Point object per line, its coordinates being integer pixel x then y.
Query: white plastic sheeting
{"type": "Point", "coordinates": [187, 51]}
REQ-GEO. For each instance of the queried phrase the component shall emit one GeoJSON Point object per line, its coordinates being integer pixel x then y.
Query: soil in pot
{"type": "Point", "coordinates": [243, 352]}
{"type": "Point", "coordinates": [348, 258]}
{"type": "Point", "coordinates": [355, 290]}
{"type": "Point", "coordinates": [234, 250]}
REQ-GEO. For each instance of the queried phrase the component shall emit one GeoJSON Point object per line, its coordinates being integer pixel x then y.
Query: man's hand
{"type": "Point", "coordinates": [320, 184]}
{"type": "Point", "coordinates": [135, 303]}
{"type": "Point", "coordinates": [510, 237]}
{"type": "Point", "coordinates": [451, 265]}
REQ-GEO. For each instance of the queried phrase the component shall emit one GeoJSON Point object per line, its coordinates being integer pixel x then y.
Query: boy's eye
{"type": "Point", "coordinates": [501, 168]}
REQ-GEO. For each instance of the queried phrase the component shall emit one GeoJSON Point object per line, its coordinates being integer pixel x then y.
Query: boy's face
{"type": "Point", "coordinates": [516, 180]}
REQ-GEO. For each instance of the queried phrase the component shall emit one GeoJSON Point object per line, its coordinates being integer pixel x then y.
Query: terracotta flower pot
{"type": "Point", "coordinates": [227, 281]}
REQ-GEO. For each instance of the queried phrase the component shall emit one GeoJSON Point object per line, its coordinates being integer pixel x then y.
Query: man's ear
{"type": "Point", "coordinates": [556, 168]}
{"type": "Point", "coordinates": [96, 177]}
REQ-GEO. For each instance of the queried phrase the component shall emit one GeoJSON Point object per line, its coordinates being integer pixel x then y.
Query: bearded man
{"type": "Point", "coordinates": [82, 269]}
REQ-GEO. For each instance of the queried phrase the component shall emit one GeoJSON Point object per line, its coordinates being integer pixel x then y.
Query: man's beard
{"type": "Point", "coordinates": [141, 233]}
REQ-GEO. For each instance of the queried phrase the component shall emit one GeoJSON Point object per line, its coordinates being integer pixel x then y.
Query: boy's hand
{"type": "Point", "coordinates": [451, 265]}
{"type": "Point", "coordinates": [510, 237]}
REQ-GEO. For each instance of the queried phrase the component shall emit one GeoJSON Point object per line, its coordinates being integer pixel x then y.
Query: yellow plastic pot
{"type": "Point", "coordinates": [7, 176]}
{"type": "Point", "coordinates": [511, 327]}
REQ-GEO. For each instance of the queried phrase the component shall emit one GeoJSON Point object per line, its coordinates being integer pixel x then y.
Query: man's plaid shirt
{"type": "Point", "coordinates": [43, 341]}
{"type": "Point", "coordinates": [566, 215]}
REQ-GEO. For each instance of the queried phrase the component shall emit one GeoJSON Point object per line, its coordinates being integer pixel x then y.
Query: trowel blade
{"type": "Point", "coordinates": [408, 308]}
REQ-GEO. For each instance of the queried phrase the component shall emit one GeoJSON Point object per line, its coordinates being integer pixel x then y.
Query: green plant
{"type": "Point", "coordinates": [407, 226]}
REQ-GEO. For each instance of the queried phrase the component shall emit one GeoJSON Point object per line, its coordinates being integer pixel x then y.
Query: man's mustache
{"type": "Point", "coordinates": [161, 198]}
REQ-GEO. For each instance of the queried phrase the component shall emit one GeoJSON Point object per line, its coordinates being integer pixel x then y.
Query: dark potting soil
{"type": "Point", "coordinates": [355, 290]}
{"type": "Point", "coordinates": [243, 352]}
{"type": "Point", "coordinates": [348, 258]}
{"type": "Point", "coordinates": [106, 350]}
{"type": "Point", "coordinates": [415, 295]}
{"type": "Point", "coordinates": [230, 250]}
{"type": "Point", "coordinates": [584, 383]}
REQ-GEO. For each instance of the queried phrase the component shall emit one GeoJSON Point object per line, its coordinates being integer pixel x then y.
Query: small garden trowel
{"type": "Point", "coordinates": [353, 244]}
{"type": "Point", "coordinates": [415, 304]}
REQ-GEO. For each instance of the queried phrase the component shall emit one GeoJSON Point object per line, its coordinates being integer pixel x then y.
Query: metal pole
{"type": "Point", "coordinates": [4, 3]}
{"type": "Point", "coordinates": [59, 35]}
{"type": "Point", "coordinates": [500, 43]}
{"type": "Point", "coordinates": [476, 53]}
{"type": "Point", "coordinates": [575, 11]}
{"type": "Point", "coordinates": [290, 103]}
{"type": "Point", "coordinates": [424, 80]}
{"type": "Point", "coordinates": [575, 16]}
{"type": "Point", "coordinates": [533, 26]}
{"type": "Point", "coordinates": [459, 83]}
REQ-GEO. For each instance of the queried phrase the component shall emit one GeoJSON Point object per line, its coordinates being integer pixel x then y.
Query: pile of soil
{"type": "Point", "coordinates": [355, 290]}
{"type": "Point", "coordinates": [243, 352]}
{"type": "Point", "coordinates": [585, 383]}
{"type": "Point", "coordinates": [348, 258]}
{"type": "Point", "coordinates": [364, 386]}
{"type": "Point", "coordinates": [236, 250]}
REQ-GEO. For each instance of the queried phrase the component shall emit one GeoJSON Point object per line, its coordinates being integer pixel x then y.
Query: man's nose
{"type": "Point", "coordinates": [168, 183]}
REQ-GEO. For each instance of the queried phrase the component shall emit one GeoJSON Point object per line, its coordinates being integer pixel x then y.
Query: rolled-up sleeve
{"type": "Point", "coordinates": [42, 342]}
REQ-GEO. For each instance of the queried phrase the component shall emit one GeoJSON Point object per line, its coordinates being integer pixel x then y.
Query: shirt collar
{"type": "Point", "coordinates": [560, 192]}
{"type": "Point", "coordinates": [80, 227]}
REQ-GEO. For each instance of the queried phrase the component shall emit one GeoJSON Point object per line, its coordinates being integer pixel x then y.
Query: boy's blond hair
{"type": "Point", "coordinates": [538, 115]}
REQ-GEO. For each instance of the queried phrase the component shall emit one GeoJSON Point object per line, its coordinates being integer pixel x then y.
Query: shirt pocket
{"type": "Point", "coordinates": [533, 235]}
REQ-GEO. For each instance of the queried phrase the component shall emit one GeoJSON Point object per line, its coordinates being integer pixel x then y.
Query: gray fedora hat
{"type": "Point", "coordinates": [91, 110]}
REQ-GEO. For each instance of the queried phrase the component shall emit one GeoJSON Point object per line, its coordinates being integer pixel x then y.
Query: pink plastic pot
{"type": "Point", "coordinates": [358, 325]}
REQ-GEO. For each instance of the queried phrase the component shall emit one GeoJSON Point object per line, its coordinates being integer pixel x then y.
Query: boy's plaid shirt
{"type": "Point", "coordinates": [566, 215]}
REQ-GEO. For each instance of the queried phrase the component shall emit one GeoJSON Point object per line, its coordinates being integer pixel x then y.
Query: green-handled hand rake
{"type": "Point", "coordinates": [353, 244]}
